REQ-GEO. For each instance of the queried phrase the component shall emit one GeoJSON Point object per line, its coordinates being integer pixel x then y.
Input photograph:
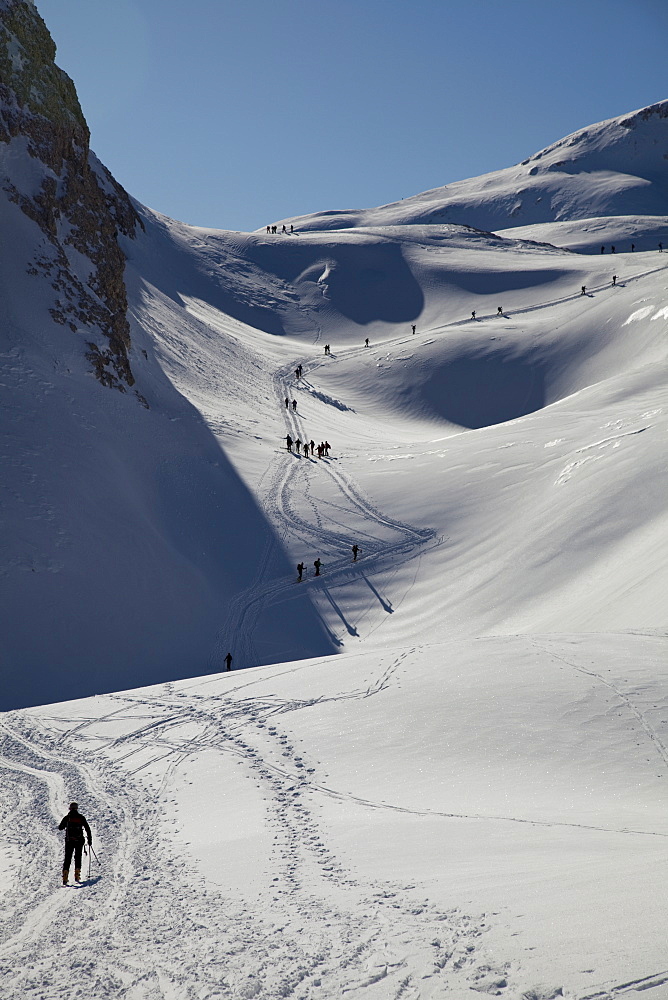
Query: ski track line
{"type": "Point", "coordinates": [246, 607]}
{"type": "Point", "coordinates": [353, 944]}
{"type": "Point", "coordinates": [171, 944]}
{"type": "Point", "coordinates": [649, 730]}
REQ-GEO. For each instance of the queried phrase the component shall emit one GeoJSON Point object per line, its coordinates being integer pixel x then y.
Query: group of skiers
{"type": "Point", "coordinates": [323, 449]}
{"type": "Point", "coordinates": [633, 246]}
{"type": "Point", "coordinates": [274, 229]}
{"type": "Point", "coordinates": [317, 563]}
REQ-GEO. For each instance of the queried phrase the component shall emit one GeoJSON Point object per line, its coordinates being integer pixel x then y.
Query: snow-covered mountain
{"type": "Point", "coordinates": [469, 797]}
{"type": "Point", "coordinates": [617, 167]}
{"type": "Point", "coordinates": [127, 534]}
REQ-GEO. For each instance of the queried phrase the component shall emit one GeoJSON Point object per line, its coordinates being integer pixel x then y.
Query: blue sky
{"type": "Point", "coordinates": [235, 114]}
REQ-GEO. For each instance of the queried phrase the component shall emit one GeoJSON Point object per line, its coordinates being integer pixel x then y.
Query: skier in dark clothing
{"type": "Point", "coordinates": [74, 825]}
{"type": "Point", "coordinates": [287, 402]}
{"type": "Point", "coordinates": [473, 314]}
{"type": "Point", "coordinates": [413, 327]}
{"type": "Point", "coordinates": [327, 447]}
{"type": "Point", "coordinates": [300, 569]}
{"type": "Point", "coordinates": [602, 249]}
{"type": "Point", "coordinates": [366, 342]}
{"type": "Point", "coordinates": [317, 565]}
{"type": "Point", "coordinates": [228, 661]}
{"type": "Point", "coordinates": [499, 311]}
{"type": "Point", "coordinates": [356, 549]}
{"type": "Point", "coordinates": [583, 289]}
{"type": "Point", "coordinates": [612, 250]}
{"type": "Point", "coordinates": [633, 246]}
{"type": "Point", "coordinates": [288, 440]}
{"type": "Point", "coordinates": [614, 279]}
{"type": "Point", "coordinates": [294, 404]}
{"type": "Point", "coordinates": [312, 443]}
{"type": "Point", "coordinates": [298, 445]}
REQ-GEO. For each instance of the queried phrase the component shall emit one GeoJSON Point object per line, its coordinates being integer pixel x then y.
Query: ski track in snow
{"type": "Point", "coordinates": [142, 927]}
{"type": "Point", "coordinates": [287, 475]}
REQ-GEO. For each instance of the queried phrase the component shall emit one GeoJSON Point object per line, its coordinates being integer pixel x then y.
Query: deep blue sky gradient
{"type": "Point", "coordinates": [235, 114]}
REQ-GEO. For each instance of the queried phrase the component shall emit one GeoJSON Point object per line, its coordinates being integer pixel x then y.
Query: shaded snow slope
{"type": "Point", "coordinates": [616, 167]}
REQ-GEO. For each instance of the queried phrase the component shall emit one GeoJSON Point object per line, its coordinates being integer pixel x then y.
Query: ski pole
{"type": "Point", "coordinates": [95, 855]}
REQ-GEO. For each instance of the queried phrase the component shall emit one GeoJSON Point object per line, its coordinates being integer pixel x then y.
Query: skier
{"type": "Point", "coordinates": [612, 249]}
{"type": "Point", "coordinates": [473, 314]}
{"type": "Point", "coordinates": [499, 311]}
{"type": "Point", "coordinates": [614, 280]}
{"type": "Point", "coordinates": [633, 246]}
{"type": "Point", "coordinates": [300, 569]}
{"type": "Point", "coordinates": [298, 445]}
{"type": "Point", "coordinates": [292, 228]}
{"type": "Point", "coordinates": [294, 404]}
{"type": "Point", "coordinates": [74, 825]}
{"type": "Point", "coordinates": [583, 289]}
{"type": "Point", "coordinates": [273, 229]}
{"type": "Point", "coordinates": [602, 249]}
{"type": "Point", "coordinates": [355, 551]}
{"type": "Point", "coordinates": [288, 440]}
{"type": "Point", "coordinates": [366, 342]}
{"type": "Point", "coordinates": [287, 402]}
{"type": "Point", "coordinates": [228, 661]}
{"type": "Point", "coordinates": [268, 229]}
{"type": "Point", "coordinates": [320, 450]}
{"type": "Point", "coordinates": [317, 565]}
{"type": "Point", "coordinates": [284, 229]}
{"type": "Point", "coordinates": [326, 446]}
{"type": "Point", "coordinates": [296, 372]}
{"type": "Point", "coordinates": [660, 247]}
{"type": "Point", "coordinates": [413, 326]}
{"type": "Point", "coordinates": [312, 443]}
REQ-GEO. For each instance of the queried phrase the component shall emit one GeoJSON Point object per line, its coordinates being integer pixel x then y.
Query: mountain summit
{"type": "Point", "coordinates": [616, 167]}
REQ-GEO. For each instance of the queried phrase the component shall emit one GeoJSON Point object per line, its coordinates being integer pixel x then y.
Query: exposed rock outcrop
{"type": "Point", "coordinates": [50, 173]}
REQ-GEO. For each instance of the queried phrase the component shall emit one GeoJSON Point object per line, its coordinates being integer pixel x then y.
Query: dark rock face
{"type": "Point", "coordinates": [78, 205]}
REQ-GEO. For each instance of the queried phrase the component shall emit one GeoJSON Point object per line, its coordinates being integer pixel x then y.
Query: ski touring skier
{"type": "Point", "coordinates": [614, 280]}
{"type": "Point", "coordinates": [74, 825]}
{"type": "Point", "coordinates": [473, 314]}
{"type": "Point", "coordinates": [499, 311]}
{"type": "Point", "coordinates": [366, 342]}
{"type": "Point", "coordinates": [298, 445]}
{"type": "Point", "coordinates": [583, 290]}
{"type": "Point", "coordinates": [228, 661]}
{"type": "Point", "coordinates": [294, 405]}
{"type": "Point", "coordinates": [356, 549]}
{"type": "Point", "coordinates": [288, 441]}
{"type": "Point", "coordinates": [317, 565]}
{"type": "Point", "coordinates": [300, 570]}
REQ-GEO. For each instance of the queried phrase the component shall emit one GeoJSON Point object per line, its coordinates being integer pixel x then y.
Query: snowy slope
{"type": "Point", "coordinates": [469, 797]}
{"type": "Point", "coordinates": [431, 821]}
{"type": "Point", "coordinates": [616, 167]}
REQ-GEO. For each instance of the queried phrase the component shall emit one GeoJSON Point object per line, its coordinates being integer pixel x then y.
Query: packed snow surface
{"type": "Point", "coordinates": [436, 770]}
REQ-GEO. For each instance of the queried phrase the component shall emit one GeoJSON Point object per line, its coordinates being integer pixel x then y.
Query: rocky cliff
{"type": "Point", "coordinates": [49, 172]}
